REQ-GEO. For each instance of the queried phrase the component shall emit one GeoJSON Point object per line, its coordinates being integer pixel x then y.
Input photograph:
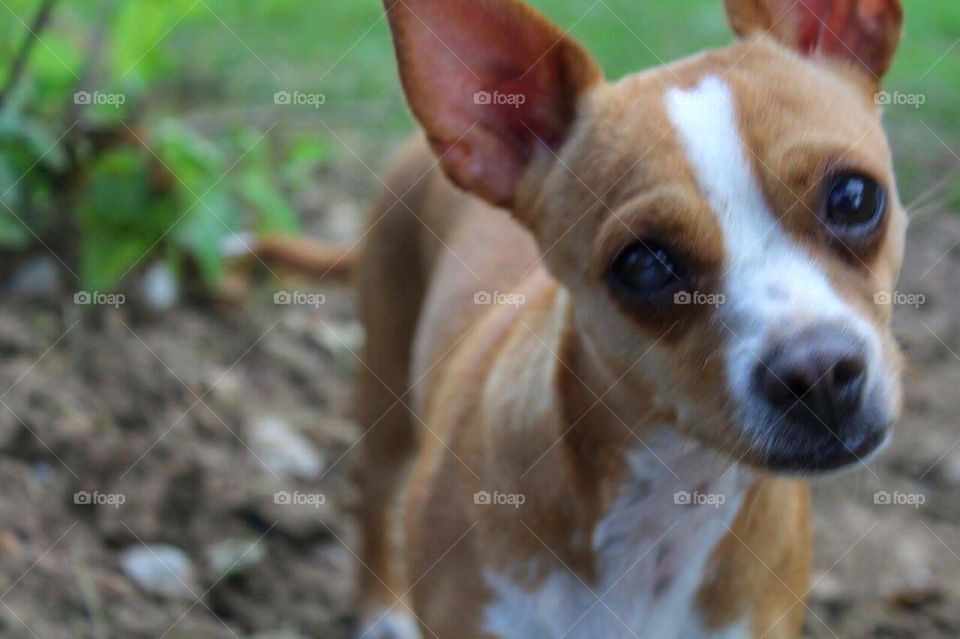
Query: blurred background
{"type": "Point", "coordinates": [176, 435]}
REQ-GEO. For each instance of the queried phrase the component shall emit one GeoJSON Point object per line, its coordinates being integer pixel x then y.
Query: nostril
{"type": "Point", "coordinates": [782, 382]}
{"type": "Point", "coordinates": [798, 382]}
{"type": "Point", "coordinates": [848, 373]}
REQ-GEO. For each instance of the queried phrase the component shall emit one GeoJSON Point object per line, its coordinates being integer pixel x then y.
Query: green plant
{"type": "Point", "coordinates": [132, 185]}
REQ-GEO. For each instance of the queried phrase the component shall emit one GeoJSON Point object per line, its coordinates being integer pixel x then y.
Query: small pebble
{"type": "Point", "coordinates": [161, 291]}
{"type": "Point", "coordinates": [233, 556]}
{"type": "Point", "coordinates": [161, 570]}
{"type": "Point", "coordinates": [283, 450]}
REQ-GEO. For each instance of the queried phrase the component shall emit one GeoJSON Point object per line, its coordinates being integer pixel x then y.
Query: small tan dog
{"type": "Point", "coordinates": [592, 369]}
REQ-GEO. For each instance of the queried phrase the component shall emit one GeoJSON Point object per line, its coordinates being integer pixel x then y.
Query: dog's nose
{"type": "Point", "coordinates": [815, 376]}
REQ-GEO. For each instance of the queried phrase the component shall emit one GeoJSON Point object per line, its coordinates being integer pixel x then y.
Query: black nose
{"type": "Point", "coordinates": [815, 377]}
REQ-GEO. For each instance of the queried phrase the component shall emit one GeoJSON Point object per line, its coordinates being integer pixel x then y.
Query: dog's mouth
{"type": "Point", "coordinates": [824, 452]}
{"type": "Point", "coordinates": [809, 444]}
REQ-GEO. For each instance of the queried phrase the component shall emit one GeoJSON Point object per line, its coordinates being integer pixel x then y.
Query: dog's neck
{"type": "Point", "coordinates": [560, 415]}
{"type": "Point", "coordinates": [614, 496]}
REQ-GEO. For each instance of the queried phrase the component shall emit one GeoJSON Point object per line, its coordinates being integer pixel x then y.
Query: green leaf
{"type": "Point", "coordinates": [145, 37]}
{"type": "Point", "coordinates": [106, 256]}
{"type": "Point", "coordinates": [197, 163]}
{"type": "Point", "coordinates": [201, 233]}
{"type": "Point", "coordinates": [304, 159]}
{"type": "Point", "coordinates": [274, 213]}
{"type": "Point", "coordinates": [119, 191]}
{"type": "Point", "coordinates": [13, 234]}
{"type": "Point", "coordinates": [33, 140]}
{"type": "Point", "coordinates": [55, 66]}
{"type": "Point", "coordinates": [121, 218]}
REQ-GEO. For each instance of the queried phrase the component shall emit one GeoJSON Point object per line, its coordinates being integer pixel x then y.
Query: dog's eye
{"type": "Point", "coordinates": [645, 268]}
{"type": "Point", "coordinates": [855, 200]}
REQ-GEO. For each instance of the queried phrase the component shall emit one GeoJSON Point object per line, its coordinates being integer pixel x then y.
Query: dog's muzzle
{"type": "Point", "coordinates": [815, 385]}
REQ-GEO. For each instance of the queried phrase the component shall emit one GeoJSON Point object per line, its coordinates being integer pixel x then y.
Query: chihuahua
{"type": "Point", "coordinates": [613, 328]}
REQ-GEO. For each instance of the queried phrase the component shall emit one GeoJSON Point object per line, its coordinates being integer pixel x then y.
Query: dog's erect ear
{"type": "Point", "coordinates": [491, 81]}
{"type": "Point", "coordinates": [864, 32]}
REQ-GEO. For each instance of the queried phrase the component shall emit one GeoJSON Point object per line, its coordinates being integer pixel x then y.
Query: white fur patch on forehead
{"type": "Point", "coordinates": [754, 244]}
{"type": "Point", "coordinates": [706, 120]}
{"type": "Point", "coordinates": [766, 275]}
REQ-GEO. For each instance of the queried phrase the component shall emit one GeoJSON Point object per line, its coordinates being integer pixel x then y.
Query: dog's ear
{"type": "Point", "coordinates": [491, 81]}
{"type": "Point", "coordinates": [863, 32]}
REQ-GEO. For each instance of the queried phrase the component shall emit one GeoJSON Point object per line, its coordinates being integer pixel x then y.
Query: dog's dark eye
{"type": "Point", "coordinates": [645, 268]}
{"type": "Point", "coordinates": [855, 201]}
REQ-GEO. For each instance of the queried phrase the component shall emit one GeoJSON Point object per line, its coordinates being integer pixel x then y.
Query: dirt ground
{"type": "Point", "coordinates": [199, 417]}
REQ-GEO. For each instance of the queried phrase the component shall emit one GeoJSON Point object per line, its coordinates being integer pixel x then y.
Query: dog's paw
{"type": "Point", "coordinates": [394, 624]}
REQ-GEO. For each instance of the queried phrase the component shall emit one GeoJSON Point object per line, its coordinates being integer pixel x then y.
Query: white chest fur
{"type": "Point", "coordinates": [651, 550]}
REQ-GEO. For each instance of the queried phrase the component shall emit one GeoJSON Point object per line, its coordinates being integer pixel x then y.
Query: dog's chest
{"type": "Point", "coordinates": [651, 551]}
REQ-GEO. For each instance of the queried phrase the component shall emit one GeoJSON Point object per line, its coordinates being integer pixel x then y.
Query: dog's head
{"type": "Point", "coordinates": [732, 219]}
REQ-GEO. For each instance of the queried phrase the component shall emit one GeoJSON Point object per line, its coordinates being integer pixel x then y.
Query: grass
{"type": "Point", "coordinates": [231, 55]}
{"type": "Point", "coordinates": [629, 35]}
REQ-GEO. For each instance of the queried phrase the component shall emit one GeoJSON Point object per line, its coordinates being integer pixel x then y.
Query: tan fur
{"type": "Point", "coordinates": [305, 258]}
{"type": "Point", "coordinates": [457, 397]}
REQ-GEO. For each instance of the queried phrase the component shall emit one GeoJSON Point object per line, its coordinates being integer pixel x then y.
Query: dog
{"type": "Point", "coordinates": [614, 328]}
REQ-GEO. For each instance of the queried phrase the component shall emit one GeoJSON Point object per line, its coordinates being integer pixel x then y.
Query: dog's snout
{"type": "Point", "coordinates": [815, 376]}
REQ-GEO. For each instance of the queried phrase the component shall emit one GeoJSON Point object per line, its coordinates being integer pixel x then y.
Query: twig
{"type": "Point", "coordinates": [40, 21]}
